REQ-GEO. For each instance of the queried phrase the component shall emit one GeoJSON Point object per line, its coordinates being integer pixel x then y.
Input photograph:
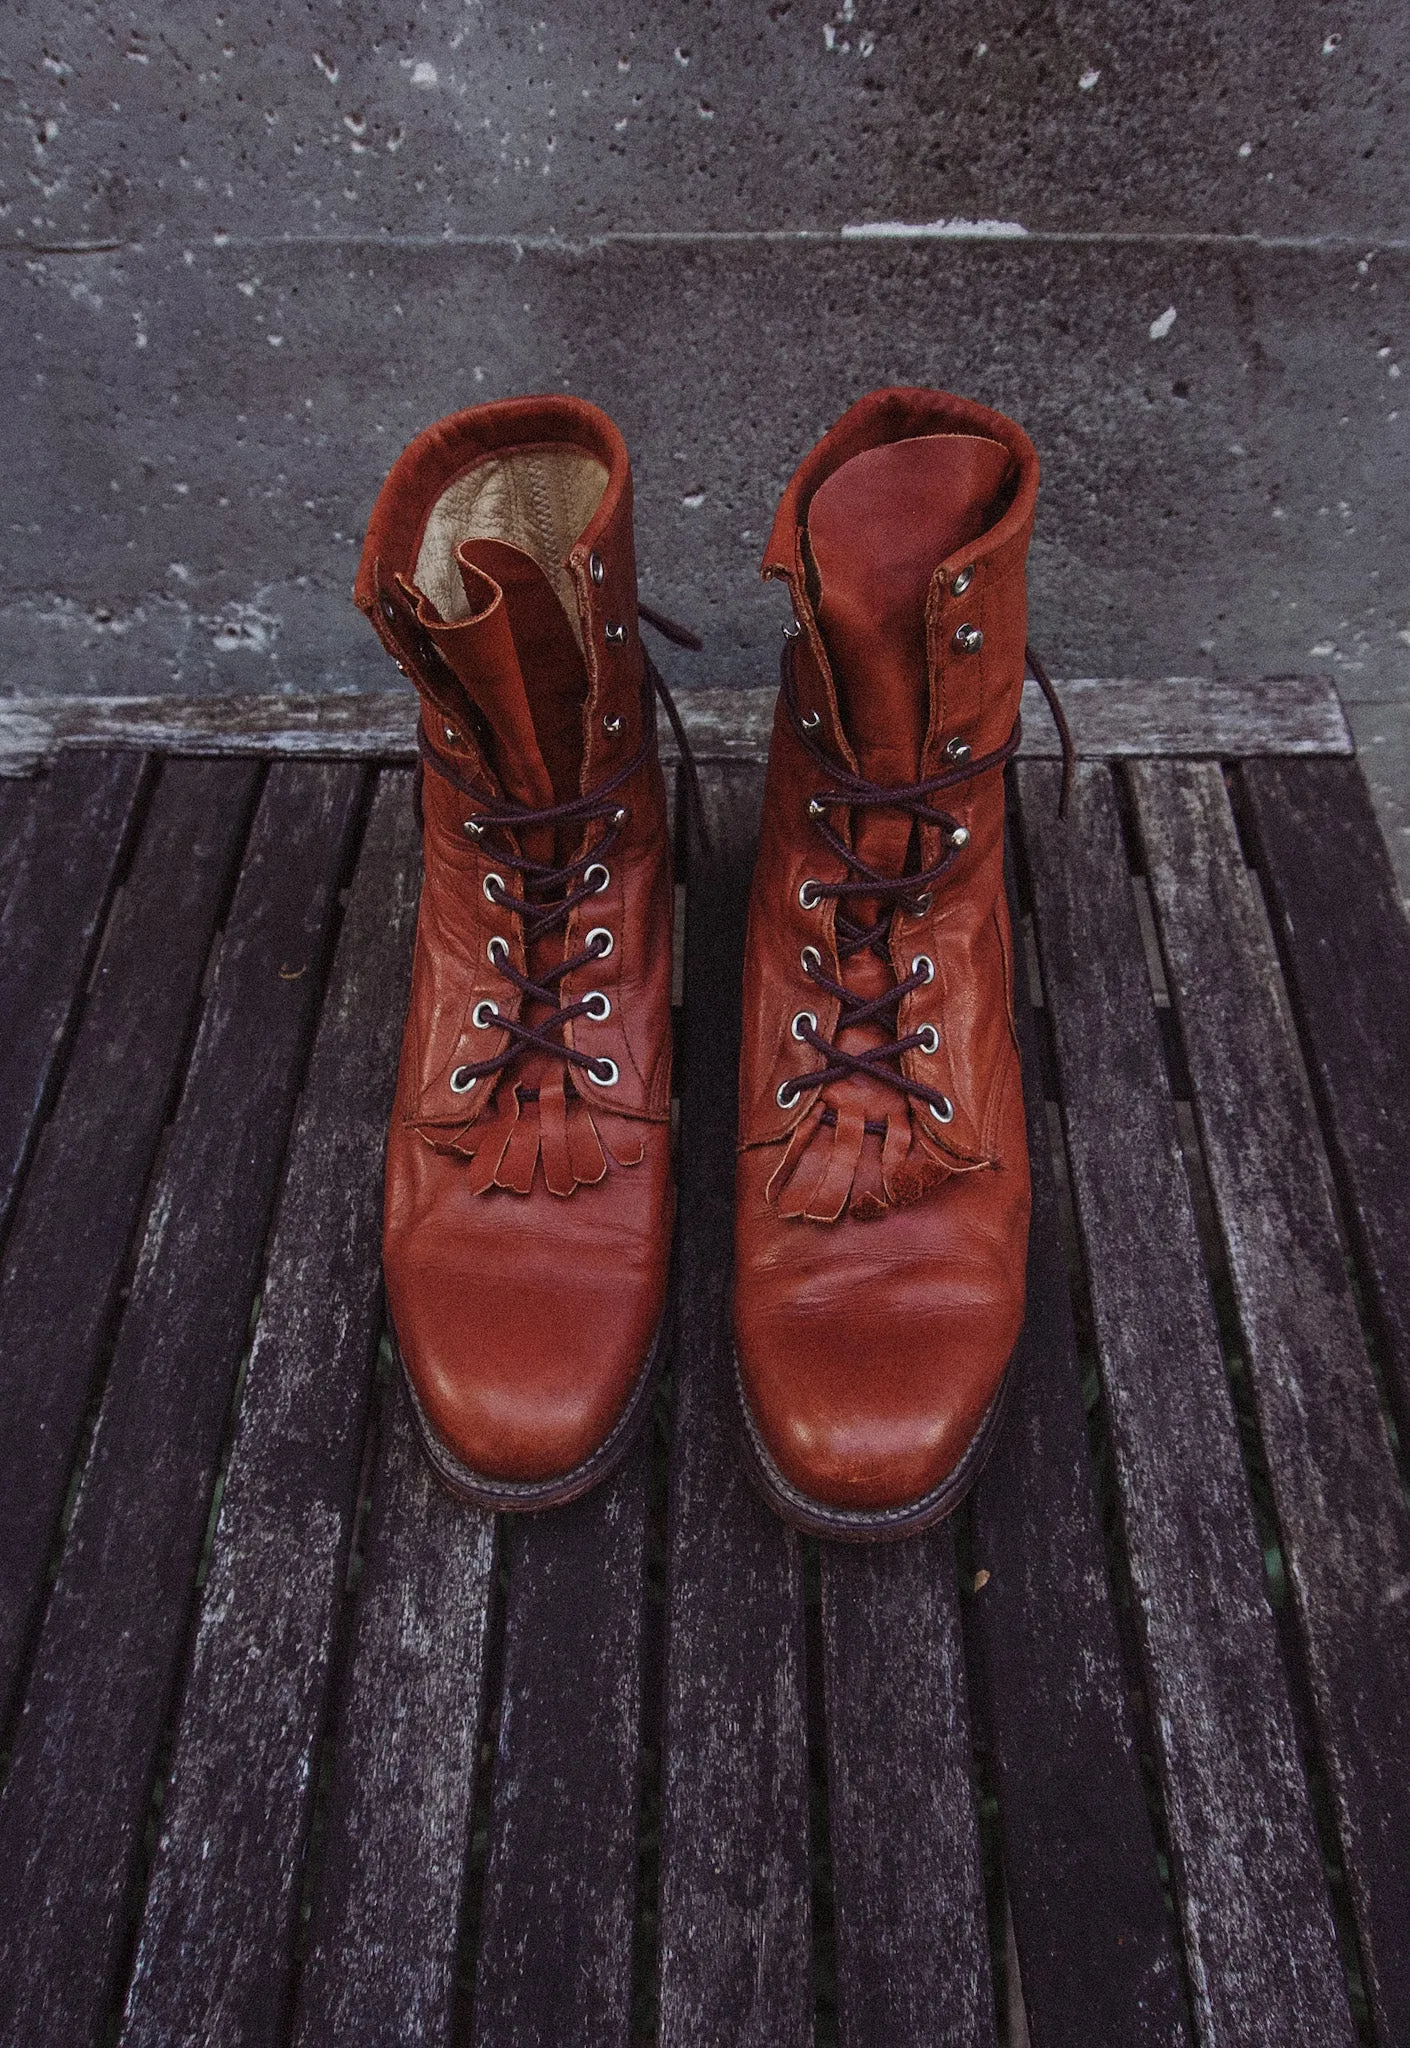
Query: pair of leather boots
{"type": "Point", "coordinates": [882, 1188]}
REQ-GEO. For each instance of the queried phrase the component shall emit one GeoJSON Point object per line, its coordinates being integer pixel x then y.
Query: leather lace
{"type": "Point", "coordinates": [909, 891]}
{"type": "Point", "coordinates": [549, 893]}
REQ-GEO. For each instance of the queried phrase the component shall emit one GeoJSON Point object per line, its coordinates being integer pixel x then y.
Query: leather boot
{"type": "Point", "coordinates": [529, 1191]}
{"type": "Point", "coordinates": [883, 1192]}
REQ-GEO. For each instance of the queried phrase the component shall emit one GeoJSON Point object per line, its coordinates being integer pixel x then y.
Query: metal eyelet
{"type": "Point", "coordinates": [945, 1115]}
{"type": "Point", "coordinates": [497, 951]}
{"type": "Point", "coordinates": [461, 1083]}
{"type": "Point", "coordinates": [924, 966]}
{"type": "Point", "coordinates": [389, 611]}
{"type": "Point", "coordinates": [810, 719]}
{"type": "Point", "coordinates": [490, 885]}
{"type": "Point", "coordinates": [595, 995]}
{"type": "Point", "coordinates": [607, 1080]}
{"type": "Point", "coordinates": [595, 567]}
{"type": "Point", "coordinates": [474, 828]}
{"type": "Point", "coordinates": [619, 816]}
{"type": "Point", "coordinates": [960, 836]}
{"type": "Point", "coordinates": [968, 639]}
{"type": "Point", "coordinates": [450, 734]}
{"type": "Point", "coordinates": [961, 580]}
{"type": "Point", "coordinates": [482, 1012]}
{"type": "Point", "coordinates": [929, 1038]}
{"type": "Point", "coordinates": [615, 635]}
{"type": "Point", "coordinates": [788, 1093]}
{"type": "Point", "coordinates": [808, 1017]}
{"type": "Point", "coordinates": [596, 868]}
{"type": "Point", "coordinates": [815, 809]}
{"type": "Point", "coordinates": [811, 961]}
{"type": "Point", "coordinates": [792, 630]}
{"type": "Point", "coordinates": [613, 724]}
{"type": "Point", "coordinates": [919, 905]}
{"type": "Point", "coordinates": [807, 894]}
{"type": "Point", "coordinates": [957, 749]}
{"type": "Point", "coordinates": [599, 931]}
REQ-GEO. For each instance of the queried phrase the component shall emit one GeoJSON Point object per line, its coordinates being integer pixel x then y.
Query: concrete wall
{"type": "Point", "coordinates": [249, 252]}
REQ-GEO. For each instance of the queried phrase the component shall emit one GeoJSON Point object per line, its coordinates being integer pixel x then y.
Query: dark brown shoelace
{"type": "Point", "coordinates": [910, 891]}
{"type": "Point", "coordinates": [549, 894]}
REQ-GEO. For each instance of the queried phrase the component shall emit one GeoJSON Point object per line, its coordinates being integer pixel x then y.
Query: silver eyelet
{"type": "Point", "coordinates": [615, 635]}
{"type": "Point", "coordinates": [607, 1080]}
{"type": "Point", "coordinates": [810, 719]}
{"type": "Point", "coordinates": [919, 905]}
{"type": "Point", "coordinates": [924, 966]}
{"type": "Point", "coordinates": [811, 961]}
{"type": "Point", "coordinates": [788, 1093]}
{"type": "Point", "coordinates": [960, 836]}
{"type": "Point", "coordinates": [792, 630]}
{"type": "Point", "coordinates": [619, 816]}
{"type": "Point", "coordinates": [482, 1012]}
{"type": "Point", "coordinates": [945, 1115]}
{"type": "Point", "coordinates": [957, 749]}
{"type": "Point", "coordinates": [490, 885]}
{"type": "Point", "coordinates": [808, 1017]}
{"type": "Point", "coordinates": [599, 931]}
{"type": "Point", "coordinates": [595, 567]}
{"type": "Point", "coordinates": [389, 611]}
{"type": "Point", "coordinates": [961, 580]}
{"type": "Point", "coordinates": [497, 951]}
{"type": "Point", "coordinates": [474, 828]}
{"type": "Point", "coordinates": [596, 868]}
{"type": "Point", "coordinates": [929, 1038]}
{"type": "Point", "coordinates": [595, 995]}
{"type": "Point", "coordinates": [613, 724]}
{"type": "Point", "coordinates": [807, 894]}
{"type": "Point", "coordinates": [450, 734]}
{"type": "Point", "coordinates": [815, 809]}
{"type": "Point", "coordinates": [461, 1083]}
{"type": "Point", "coordinates": [968, 640]}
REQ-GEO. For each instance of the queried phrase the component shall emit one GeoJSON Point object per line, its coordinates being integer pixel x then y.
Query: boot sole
{"type": "Point", "coordinates": [527, 1496]}
{"type": "Point", "coordinates": [868, 1525]}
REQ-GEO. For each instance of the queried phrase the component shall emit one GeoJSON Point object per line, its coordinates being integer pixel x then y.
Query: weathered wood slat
{"type": "Point", "coordinates": [735, 1901]}
{"type": "Point", "coordinates": [381, 1966]}
{"type": "Point", "coordinates": [88, 1175]}
{"type": "Point", "coordinates": [1109, 715]}
{"type": "Point", "coordinates": [912, 1944]}
{"type": "Point", "coordinates": [1095, 1948]}
{"type": "Point", "coordinates": [73, 1806]}
{"type": "Point", "coordinates": [1341, 1512]}
{"type": "Point", "coordinates": [559, 1901]}
{"type": "Point", "coordinates": [1259, 1939]}
{"type": "Point", "coordinates": [215, 1954]}
{"type": "Point", "coordinates": [1346, 948]}
{"type": "Point", "coordinates": [61, 880]}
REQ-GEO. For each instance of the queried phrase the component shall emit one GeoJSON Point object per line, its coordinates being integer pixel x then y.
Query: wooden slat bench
{"type": "Point", "coordinates": [298, 1751]}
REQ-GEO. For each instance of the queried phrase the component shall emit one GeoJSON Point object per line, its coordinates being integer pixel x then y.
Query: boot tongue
{"type": "Point", "coordinates": [878, 528]}
{"type": "Point", "coordinates": [533, 687]}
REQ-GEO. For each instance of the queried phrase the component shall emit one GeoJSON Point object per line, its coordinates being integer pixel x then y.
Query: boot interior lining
{"type": "Point", "coordinates": [537, 499]}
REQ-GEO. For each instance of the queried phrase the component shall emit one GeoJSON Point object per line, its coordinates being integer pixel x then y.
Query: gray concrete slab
{"type": "Point", "coordinates": [193, 441]}
{"type": "Point", "coordinates": [340, 117]}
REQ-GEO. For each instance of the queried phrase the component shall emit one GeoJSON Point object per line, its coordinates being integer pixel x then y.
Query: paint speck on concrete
{"type": "Point", "coordinates": [1161, 327]}
{"type": "Point", "coordinates": [330, 71]}
{"type": "Point", "coordinates": [424, 74]}
{"type": "Point", "coordinates": [275, 340]}
{"type": "Point", "coordinates": [694, 501]}
{"type": "Point", "coordinates": [1088, 80]}
{"type": "Point", "coordinates": [1331, 46]}
{"type": "Point", "coordinates": [1245, 149]}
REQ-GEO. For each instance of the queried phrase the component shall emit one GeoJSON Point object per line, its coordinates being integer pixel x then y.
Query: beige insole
{"type": "Point", "coordinates": [537, 499]}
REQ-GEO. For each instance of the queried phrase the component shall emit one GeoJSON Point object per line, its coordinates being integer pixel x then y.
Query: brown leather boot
{"type": "Point", "coordinates": [529, 1190]}
{"type": "Point", "coordinates": [883, 1194]}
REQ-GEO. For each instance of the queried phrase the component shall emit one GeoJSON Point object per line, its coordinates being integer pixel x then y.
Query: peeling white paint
{"type": "Point", "coordinates": [945, 230]}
